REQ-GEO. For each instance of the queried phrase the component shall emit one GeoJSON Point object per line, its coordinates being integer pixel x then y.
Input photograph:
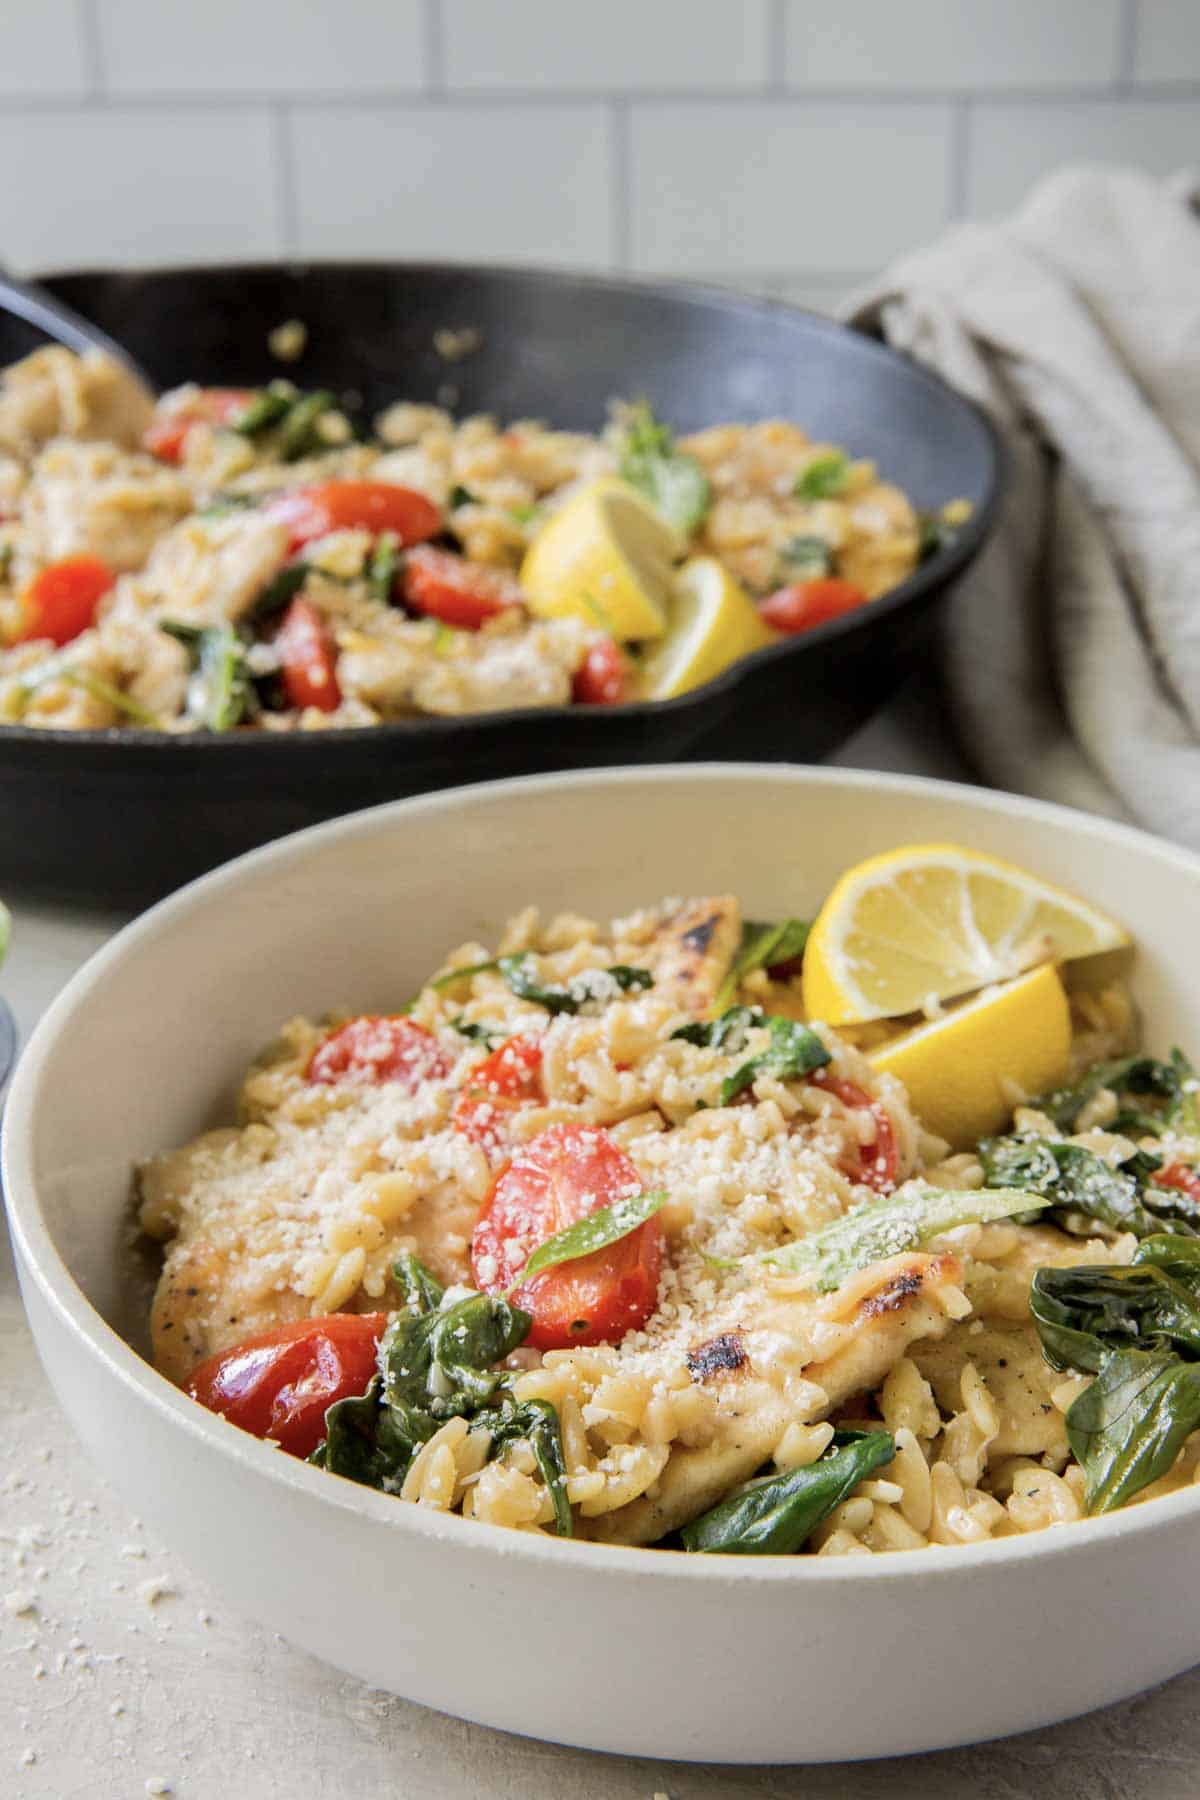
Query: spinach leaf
{"type": "Point", "coordinates": [673, 482]}
{"type": "Point", "coordinates": [221, 692]}
{"type": "Point", "coordinates": [1129, 1425]}
{"type": "Point", "coordinates": [775, 1514]}
{"type": "Point", "coordinates": [478, 1033]}
{"type": "Point", "coordinates": [1137, 1330]}
{"type": "Point", "coordinates": [298, 433]}
{"type": "Point", "coordinates": [537, 1422]}
{"type": "Point", "coordinates": [461, 496]}
{"type": "Point", "coordinates": [824, 478]}
{"type": "Point", "coordinates": [1173, 1082]}
{"type": "Point", "coordinates": [278, 593]}
{"type": "Point", "coordinates": [730, 1029]}
{"type": "Point", "coordinates": [383, 567]}
{"type": "Point", "coordinates": [905, 1220]}
{"type": "Point", "coordinates": [448, 977]}
{"type": "Point", "coordinates": [807, 557]}
{"type": "Point", "coordinates": [794, 1050]}
{"type": "Point", "coordinates": [595, 1232]}
{"type": "Point", "coordinates": [1075, 1180]}
{"type": "Point", "coordinates": [264, 409]}
{"type": "Point", "coordinates": [520, 976]}
{"type": "Point", "coordinates": [763, 947]}
{"type": "Point", "coordinates": [436, 1361]}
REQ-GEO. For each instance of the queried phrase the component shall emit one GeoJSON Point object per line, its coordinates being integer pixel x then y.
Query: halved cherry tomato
{"type": "Point", "coordinates": [553, 1181]}
{"type": "Point", "coordinates": [62, 598]}
{"type": "Point", "coordinates": [877, 1163]}
{"type": "Point", "coordinates": [444, 586]}
{"type": "Point", "coordinates": [313, 512]}
{"type": "Point", "coordinates": [280, 1383]}
{"type": "Point", "coordinates": [602, 678]}
{"type": "Point", "coordinates": [308, 658]}
{"type": "Point", "coordinates": [166, 435]}
{"type": "Point", "coordinates": [808, 603]}
{"type": "Point", "coordinates": [379, 1048]}
{"type": "Point", "coordinates": [510, 1077]}
{"type": "Point", "coordinates": [1180, 1176]}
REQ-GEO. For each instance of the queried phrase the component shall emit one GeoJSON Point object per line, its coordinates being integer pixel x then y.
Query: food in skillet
{"type": "Point", "coordinates": [231, 559]}
{"type": "Point", "coordinates": [717, 1235]}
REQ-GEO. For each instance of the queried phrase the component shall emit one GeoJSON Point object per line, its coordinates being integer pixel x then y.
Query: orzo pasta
{"type": "Point", "coordinates": [602, 1236]}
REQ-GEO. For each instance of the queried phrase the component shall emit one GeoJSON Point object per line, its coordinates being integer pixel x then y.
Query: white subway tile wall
{"type": "Point", "coordinates": [783, 145]}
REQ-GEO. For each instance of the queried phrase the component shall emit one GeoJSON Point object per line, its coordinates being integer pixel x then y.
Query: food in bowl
{"type": "Point", "coordinates": [636, 1233]}
{"type": "Point", "coordinates": [229, 559]}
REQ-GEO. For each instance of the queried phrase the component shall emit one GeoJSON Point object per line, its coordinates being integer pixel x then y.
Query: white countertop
{"type": "Point", "coordinates": [130, 1677]}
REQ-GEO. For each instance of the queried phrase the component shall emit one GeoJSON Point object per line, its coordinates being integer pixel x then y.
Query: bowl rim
{"type": "Point", "coordinates": [41, 1260]}
{"type": "Point", "coordinates": [939, 569]}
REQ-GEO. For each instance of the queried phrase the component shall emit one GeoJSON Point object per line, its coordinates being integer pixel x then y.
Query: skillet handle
{"type": "Point", "coordinates": [35, 304]}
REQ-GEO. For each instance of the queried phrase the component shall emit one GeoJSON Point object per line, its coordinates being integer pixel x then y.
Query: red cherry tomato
{"type": "Point", "coordinates": [1180, 1176]}
{"type": "Point", "coordinates": [376, 1049]}
{"type": "Point", "coordinates": [166, 436]}
{"type": "Point", "coordinates": [602, 678]}
{"type": "Point", "coordinates": [808, 603]}
{"type": "Point", "coordinates": [878, 1162]}
{"type": "Point", "coordinates": [441, 585]}
{"type": "Point", "coordinates": [313, 512]}
{"type": "Point", "coordinates": [280, 1383]}
{"type": "Point", "coordinates": [308, 658]}
{"type": "Point", "coordinates": [510, 1077]}
{"type": "Point", "coordinates": [555, 1180]}
{"type": "Point", "coordinates": [62, 598]}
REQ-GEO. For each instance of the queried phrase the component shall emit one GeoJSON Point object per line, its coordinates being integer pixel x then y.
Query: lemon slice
{"type": "Point", "coordinates": [605, 557]}
{"type": "Point", "coordinates": [925, 923]}
{"type": "Point", "coordinates": [959, 1070]}
{"type": "Point", "coordinates": [710, 624]}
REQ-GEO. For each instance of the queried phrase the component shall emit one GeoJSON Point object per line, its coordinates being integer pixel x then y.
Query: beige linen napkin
{"type": "Point", "coordinates": [1072, 654]}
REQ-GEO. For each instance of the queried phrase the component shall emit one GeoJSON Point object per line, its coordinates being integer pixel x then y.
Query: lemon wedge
{"type": "Point", "coordinates": [711, 622]}
{"type": "Point", "coordinates": [605, 557]}
{"type": "Point", "coordinates": [958, 1069]}
{"type": "Point", "coordinates": [923, 924]}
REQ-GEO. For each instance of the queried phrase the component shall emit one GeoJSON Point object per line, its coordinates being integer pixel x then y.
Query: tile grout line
{"type": "Point", "coordinates": [1127, 36]}
{"type": "Point", "coordinates": [91, 46]}
{"type": "Point", "coordinates": [435, 48]}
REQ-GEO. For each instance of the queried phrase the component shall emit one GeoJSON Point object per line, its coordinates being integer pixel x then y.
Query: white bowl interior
{"type": "Point", "coordinates": [148, 1043]}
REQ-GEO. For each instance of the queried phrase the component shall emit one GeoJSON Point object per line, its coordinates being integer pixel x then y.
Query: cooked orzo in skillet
{"type": "Point", "coordinates": [229, 559]}
{"type": "Point", "coordinates": [606, 1235]}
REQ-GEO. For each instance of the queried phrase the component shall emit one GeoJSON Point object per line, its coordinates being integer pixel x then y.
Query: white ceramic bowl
{"type": "Point", "coordinates": [714, 1658]}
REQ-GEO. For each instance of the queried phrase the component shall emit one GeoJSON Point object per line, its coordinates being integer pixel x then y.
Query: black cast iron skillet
{"type": "Point", "coordinates": [120, 817]}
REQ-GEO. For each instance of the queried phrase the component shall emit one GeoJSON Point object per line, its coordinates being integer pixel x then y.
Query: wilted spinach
{"type": "Point", "coordinates": [776, 1514]}
{"type": "Point", "coordinates": [221, 691]}
{"type": "Point", "coordinates": [1137, 1330]}
{"type": "Point", "coordinates": [824, 477]}
{"type": "Point", "coordinates": [1173, 1083]}
{"type": "Point", "coordinates": [1074, 1180]}
{"type": "Point", "coordinates": [437, 1361]}
{"type": "Point", "coordinates": [763, 947]}
{"type": "Point", "coordinates": [520, 976]}
{"type": "Point", "coordinates": [608, 1225]}
{"type": "Point", "coordinates": [673, 482]}
{"type": "Point", "coordinates": [792, 1049]}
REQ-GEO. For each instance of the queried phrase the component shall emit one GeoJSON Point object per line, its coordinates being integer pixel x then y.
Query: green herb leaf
{"type": "Point", "coordinates": [535, 1422]}
{"type": "Point", "coordinates": [673, 482]}
{"type": "Point", "coordinates": [607, 1226]}
{"type": "Point", "coordinates": [221, 692]}
{"type": "Point", "coordinates": [776, 1514]}
{"type": "Point", "coordinates": [1127, 1428]}
{"type": "Point", "coordinates": [1172, 1082]}
{"type": "Point", "coordinates": [1075, 1180]}
{"type": "Point", "coordinates": [905, 1220]}
{"type": "Point", "coordinates": [448, 977]}
{"type": "Point", "coordinates": [278, 593]}
{"type": "Point", "coordinates": [519, 972]}
{"type": "Point", "coordinates": [824, 478]}
{"type": "Point", "coordinates": [461, 496]}
{"type": "Point", "coordinates": [794, 1050]}
{"type": "Point", "coordinates": [298, 433]}
{"type": "Point", "coordinates": [806, 557]}
{"type": "Point", "coordinates": [265, 408]}
{"type": "Point", "coordinates": [383, 567]}
{"type": "Point", "coordinates": [763, 947]}
{"type": "Point", "coordinates": [727, 1032]}
{"type": "Point", "coordinates": [479, 1033]}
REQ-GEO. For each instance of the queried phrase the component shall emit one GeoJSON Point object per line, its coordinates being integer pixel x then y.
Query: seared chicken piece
{"type": "Point", "coordinates": [693, 949]}
{"type": "Point", "coordinates": [888, 1307]}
